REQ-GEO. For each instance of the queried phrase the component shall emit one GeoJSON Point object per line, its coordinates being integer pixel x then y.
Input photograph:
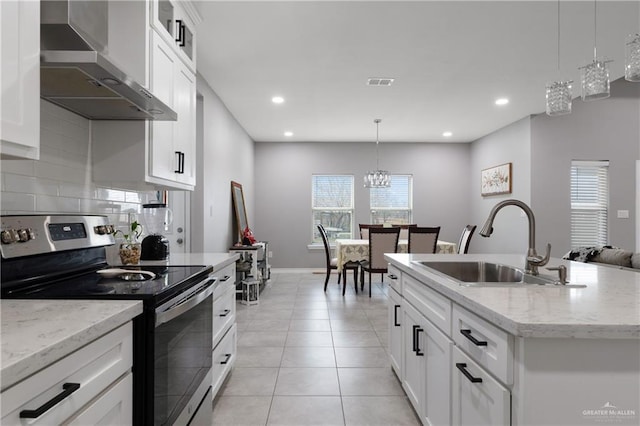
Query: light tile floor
{"type": "Point", "coordinates": [306, 357]}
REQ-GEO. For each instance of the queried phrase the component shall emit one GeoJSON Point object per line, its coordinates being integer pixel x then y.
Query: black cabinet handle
{"type": "Point", "coordinates": [179, 156]}
{"type": "Point", "coordinates": [393, 276]}
{"type": "Point", "coordinates": [395, 315]}
{"type": "Point", "coordinates": [180, 33]}
{"type": "Point", "coordinates": [180, 162]}
{"type": "Point", "coordinates": [415, 344]}
{"type": "Point", "coordinates": [227, 357]}
{"type": "Point", "coordinates": [418, 353]}
{"type": "Point", "coordinates": [226, 278]}
{"type": "Point", "coordinates": [463, 368]}
{"type": "Point", "coordinates": [68, 389]}
{"type": "Point", "coordinates": [467, 334]}
{"type": "Point", "coordinates": [225, 312]}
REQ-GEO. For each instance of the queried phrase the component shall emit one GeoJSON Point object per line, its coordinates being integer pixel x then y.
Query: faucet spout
{"type": "Point", "coordinates": [533, 260]}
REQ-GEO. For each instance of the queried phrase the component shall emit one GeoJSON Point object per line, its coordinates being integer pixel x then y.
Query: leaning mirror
{"type": "Point", "coordinates": [238, 205]}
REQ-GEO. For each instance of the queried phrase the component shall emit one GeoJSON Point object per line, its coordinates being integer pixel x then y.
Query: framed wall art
{"type": "Point", "coordinates": [496, 180]}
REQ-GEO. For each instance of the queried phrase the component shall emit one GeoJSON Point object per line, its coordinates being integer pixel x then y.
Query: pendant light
{"type": "Point", "coordinates": [595, 76]}
{"type": "Point", "coordinates": [559, 93]}
{"type": "Point", "coordinates": [632, 66]}
{"type": "Point", "coordinates": [377, 178]}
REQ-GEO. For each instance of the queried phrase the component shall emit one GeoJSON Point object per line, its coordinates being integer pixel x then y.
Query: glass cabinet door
{"type": "Point", "coordinates": [165, 16]}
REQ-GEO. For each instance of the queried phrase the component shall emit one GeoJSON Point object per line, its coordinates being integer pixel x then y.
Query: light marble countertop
{"type": "Point", "coordinates": [36, 333]}
{"type": "Point", "coordinates": [608, 307]}
{"type": "Point", "coordinates": [217, 260]}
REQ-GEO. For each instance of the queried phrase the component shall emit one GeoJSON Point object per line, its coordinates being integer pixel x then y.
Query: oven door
{"type": "Point", "coordinates": [182, 343]}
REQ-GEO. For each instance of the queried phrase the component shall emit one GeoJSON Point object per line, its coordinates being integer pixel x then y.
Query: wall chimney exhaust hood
{"type": "Point", "coordinates": [76, 72]}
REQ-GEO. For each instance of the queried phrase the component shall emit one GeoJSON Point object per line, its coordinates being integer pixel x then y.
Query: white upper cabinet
{"type": "Point", "coordinates": [172, 20]}
{"type": "Point", "coordinates": [20, 71]}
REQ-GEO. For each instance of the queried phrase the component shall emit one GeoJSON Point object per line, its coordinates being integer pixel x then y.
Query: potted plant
{"type": "Point", "coordinates": [131, 249]}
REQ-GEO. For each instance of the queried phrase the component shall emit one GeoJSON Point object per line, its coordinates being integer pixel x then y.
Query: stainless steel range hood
{"type": "Point", "coordinates": [76, 72]}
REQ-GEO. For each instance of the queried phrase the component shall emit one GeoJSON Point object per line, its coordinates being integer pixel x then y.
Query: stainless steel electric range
{"type": "Point", "coordinates": [61, 256]}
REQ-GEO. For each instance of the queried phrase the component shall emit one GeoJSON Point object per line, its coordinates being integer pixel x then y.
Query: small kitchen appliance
{"type": "Point", "coordinates": [157, 218]}
{"type": "Point", "coordinates": [64, 257]}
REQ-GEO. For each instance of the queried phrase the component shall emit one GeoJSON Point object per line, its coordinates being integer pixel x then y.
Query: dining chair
{"type": "Point", "coordinates": [364, 229]}
{"type": "Point", "coordinates": [465, 239]}
{"type": "Point", "coordinates": [381, 241]}
{"type": "Point", "coordinates": [332, 263]}
{"type": "Point", "coordinates": [404, 230]}
{"type": "Point", "coordinates": [423, 239]}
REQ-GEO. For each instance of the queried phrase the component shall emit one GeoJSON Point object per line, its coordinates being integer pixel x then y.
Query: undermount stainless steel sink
{"type": "Point", "coordinates": [487, 274]}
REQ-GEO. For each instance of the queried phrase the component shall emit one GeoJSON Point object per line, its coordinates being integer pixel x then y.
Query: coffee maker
{"type": "Point", "coordinates": [157, 218]}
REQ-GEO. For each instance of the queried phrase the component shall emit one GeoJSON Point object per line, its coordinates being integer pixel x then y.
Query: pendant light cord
{"type": "Point", "coordinates": [595, 31]}
{"type": "Point", "coordinates": [558, 35]}
{"type": "Point", "coordinates": [377, 121]}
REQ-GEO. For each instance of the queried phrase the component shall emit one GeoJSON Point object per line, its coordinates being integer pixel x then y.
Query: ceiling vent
{"type": "Point", "coordinates": [378, 81]}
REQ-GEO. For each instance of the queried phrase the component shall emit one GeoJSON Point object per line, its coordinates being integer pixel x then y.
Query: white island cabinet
{"type": "Point", "coordinates": [516, 355]}
{"type": "Point", "coordinates": [67, 362]}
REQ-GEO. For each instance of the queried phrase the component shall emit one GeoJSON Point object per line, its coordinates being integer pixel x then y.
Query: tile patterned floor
{"type": "Point", "coordinates": [306, 357]}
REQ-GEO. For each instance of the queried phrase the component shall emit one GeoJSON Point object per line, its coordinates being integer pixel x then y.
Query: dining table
{"type": "Point", "coordinates": [356, 250]}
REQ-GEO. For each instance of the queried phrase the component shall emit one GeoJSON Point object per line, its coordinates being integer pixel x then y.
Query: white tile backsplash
{"type": "Point", "coordinates": [60, 182]}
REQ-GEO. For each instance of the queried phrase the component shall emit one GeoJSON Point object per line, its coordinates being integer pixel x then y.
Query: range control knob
{"type": "Point", "coordinates": [32, 235]}
{"type": "Point", "coordinates": [23, 235]}
{"type": "Point", "coordinates": [100, 230]}
{"type": "Point", "coordinates": [9, 236]}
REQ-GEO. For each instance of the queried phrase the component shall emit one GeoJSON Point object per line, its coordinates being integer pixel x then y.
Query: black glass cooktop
{"type": "Point", "coordinates": [168, 281]}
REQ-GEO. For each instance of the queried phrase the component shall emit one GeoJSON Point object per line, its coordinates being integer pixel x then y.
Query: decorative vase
{"type": "Point", "coordinates": [130, 253]}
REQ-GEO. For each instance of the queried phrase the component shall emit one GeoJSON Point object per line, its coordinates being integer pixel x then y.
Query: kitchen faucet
{"type": "Point", "coordinates": [533, 259]}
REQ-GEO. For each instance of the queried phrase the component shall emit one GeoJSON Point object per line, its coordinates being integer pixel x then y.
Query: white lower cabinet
{"type": "Point", "coordinates": [92, 385]}
{"type": "Point", "coordinates": [224, 357]}
{"type": "Point", "coordinates": [395, 331]}
{"type": "Point", "coordinates": [426, 360]}
{"type": "Point", "coordinates": [477, 398]}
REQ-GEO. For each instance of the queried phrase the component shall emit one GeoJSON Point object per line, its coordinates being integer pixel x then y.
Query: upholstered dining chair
{"type": "Point", "coordinates": [423, 239]}
{"type": "Point", "coordinates": [381, 241]}
{"type": "Point", "coordinates": [332, 263]}
{"type": "Point", "coordinates": [364, 229]}
{"type": "Point", "coordinates": [404, 230]}
{"type": "Point", "coordinates": [465, 239]}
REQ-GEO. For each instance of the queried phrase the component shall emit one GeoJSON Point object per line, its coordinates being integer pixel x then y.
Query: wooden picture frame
{"type": "Point", "coordinates": [496, 180]}
{"type": "Point", "coordinates": [237, 195]}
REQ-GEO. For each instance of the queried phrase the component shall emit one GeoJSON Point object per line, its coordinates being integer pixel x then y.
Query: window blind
{"type": "Point", "coordinates": [589, 203]}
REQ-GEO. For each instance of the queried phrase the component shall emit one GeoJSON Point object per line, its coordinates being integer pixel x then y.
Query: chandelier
{"type": "Point", "coordinates": [632, 68]}
{"type": "Point", "coordinates": [559, 94]}
{"type": "Point", "coordinates": [377, 178]}
{"type": "Point", "coordinates": [595, 76]}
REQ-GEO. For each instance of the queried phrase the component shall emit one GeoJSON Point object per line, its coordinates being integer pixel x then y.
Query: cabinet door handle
{"type": "Point", "coordinates": [227, 357]}
{"type": "Point", "coordinates": [182, 163]}
{"type": "Point", "coordinates": [395, 315]}
{"type": "Point", "coordinates": [178, 164]}
{"type": "Point", "coordinates": [467, 334]}
{"type": "Point", "coordinates": [226, 278]}
{"type": "Point", "coordinates": [68, 389]}
{"type": "Point", "coordinates": [418, 353]}
{"type": "Point", "coordinates": [180, 33]}
{"type": "Point", "coordinates": [225, 312]}
{"type": "Point", "coordinates": [393, 276]}
{"type": "Point", "coordinates": [415, 344]}
{"type": "Point", "coordinates": [463, 368]}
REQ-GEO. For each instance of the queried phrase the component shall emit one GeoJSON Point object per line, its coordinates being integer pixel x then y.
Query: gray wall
{"type": "Point", "coordinates": [607, 129]}
{"type": "Point", "coordinates": [225, 153]}
{"type": "Point", "coordinates": [511, 144]}
{"type": "Point", "coordinates": [283, 189]}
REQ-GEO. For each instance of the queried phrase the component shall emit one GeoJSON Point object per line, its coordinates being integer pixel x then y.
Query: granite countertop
{"type": "Point", "coordinates": [37, 333]}
{"type": "Point", "coordinates": [608, 307]}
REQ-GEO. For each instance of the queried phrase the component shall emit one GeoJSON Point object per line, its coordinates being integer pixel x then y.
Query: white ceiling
{"type": "Point", "coordinates": [450, 61]}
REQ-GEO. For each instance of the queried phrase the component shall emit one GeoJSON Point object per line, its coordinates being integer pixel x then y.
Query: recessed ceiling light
{"type": "Point", "coordinates": [288, 134]}
{"type": "Point", "coordinates": [277, 99]}
{"type": "Point", "coordinates": [502, 101]}
{"type": "Point", "coordinates": [447, 134]}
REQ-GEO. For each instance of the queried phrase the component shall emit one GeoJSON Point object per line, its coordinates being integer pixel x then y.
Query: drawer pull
{"type": "Point", "coordinates": [418, 353]}
{"type": "Point", "coordinates": [227, 357]}
{"type": "Point", "coordinates": [467, 334]}
{"type": "Point", "coordinates": [415, 335]}
{"type": "Point", "coordinates": [225, 312]}
{"type": "Point", "coordinates": [393, 276]}
{"type": "Point", "coordinates": [226, 278]}
{"type": "Point", "coordinates": [68, 389]}
{"type": "Point", "coordinates": [395, 315]}
{"type": "Point", "coordinates": [463, 368]}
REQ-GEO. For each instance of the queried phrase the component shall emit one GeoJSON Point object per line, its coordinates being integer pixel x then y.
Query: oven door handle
{"type": "Point", "coordinates": [186, 304]}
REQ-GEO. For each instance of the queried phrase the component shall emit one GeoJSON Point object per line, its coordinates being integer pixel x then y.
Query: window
{"type": "Point", "coordinates": [393, 205]}
{"type": "Point", "coordinates": [332, 198]}
{"type": "Point", "coordinates": [589, 203]}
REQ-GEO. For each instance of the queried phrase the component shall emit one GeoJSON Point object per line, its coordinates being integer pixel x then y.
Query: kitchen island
{"type": "Point", "coordinates": [517, 354]}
